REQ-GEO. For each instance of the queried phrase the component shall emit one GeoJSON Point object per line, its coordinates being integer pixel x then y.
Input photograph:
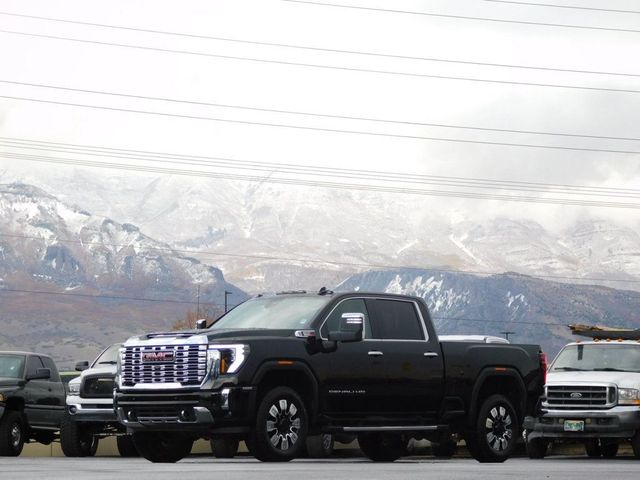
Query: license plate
{"type": "Point", "coordinates": [574, 425]}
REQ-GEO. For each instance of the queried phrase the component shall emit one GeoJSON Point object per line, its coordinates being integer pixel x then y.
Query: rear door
{"type": "Point", "coordinates": [412, 361]}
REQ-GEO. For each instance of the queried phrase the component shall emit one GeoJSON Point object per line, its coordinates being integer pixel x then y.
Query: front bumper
{"type": "Point", "coordinates": [616, 422]}
{"type": "Point", "coordinates": [229, 409]}
{"type": "Point", "coordinates": [91, 409]}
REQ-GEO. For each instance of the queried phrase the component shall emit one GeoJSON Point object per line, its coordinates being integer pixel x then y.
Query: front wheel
{"type": "Point", "coordinates": [126, 447]}
{"type": "Point", "coordinates": [12, 434]}
{"type": "Point", "coordinates": [592, 447]}
{"type": "Point", "coordinates": [496, 431]}
{"type": "Point", "coordinates": [162, 447]}
{"type": "Point", "coordinates": [281, 426]}
{"type": "Point", "coordinates": [382, 447]}
{"type": "Point", "coordinates": [224, 447]}
{"type": "Point", "coordinates": [609, 450]}
{"type": "Point", "coordinates": [76, 439]}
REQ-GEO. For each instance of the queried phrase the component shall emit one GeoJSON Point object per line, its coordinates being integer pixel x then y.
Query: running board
{"type": "Point", "coordinates": [396, 428]}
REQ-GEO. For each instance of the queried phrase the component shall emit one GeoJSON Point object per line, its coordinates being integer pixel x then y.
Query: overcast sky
{"type": "Point", "coordinates": [330, 91]}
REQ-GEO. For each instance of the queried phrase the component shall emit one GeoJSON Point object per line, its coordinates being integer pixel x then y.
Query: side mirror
{"type": "Point", "coordinates": [201, 324]}
{"type": "Point", "coordinates": [351, 328]}
{"type": "Point", "coordinates": [82, 366]}
{"type": "Point", "coordinates": [41, 374]}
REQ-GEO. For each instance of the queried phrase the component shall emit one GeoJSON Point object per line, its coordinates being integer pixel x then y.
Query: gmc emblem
{"type": "Point", "coordinates": [157, 357]}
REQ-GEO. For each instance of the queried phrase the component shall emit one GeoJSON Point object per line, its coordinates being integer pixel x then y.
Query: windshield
{"type": "Point", "coordinates": [274, 313]}
{"type": "Point", "coordinates": [109, 356]}
{"type": "Point", "coordinates": [604, 357]}
{"type": "Point", "coordinates": [11, 366]}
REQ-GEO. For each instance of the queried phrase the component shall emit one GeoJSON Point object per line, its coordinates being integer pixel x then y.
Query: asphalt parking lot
{"type": "Point", "coordinates": [247, 468]}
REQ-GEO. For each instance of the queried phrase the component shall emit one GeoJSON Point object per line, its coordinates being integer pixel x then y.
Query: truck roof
{"type": "Point", "coordinates": [17, 352]}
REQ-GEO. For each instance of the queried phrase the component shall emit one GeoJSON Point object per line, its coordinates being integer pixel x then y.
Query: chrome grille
{"type": "Point", "coordinates": [580, 397]}
{"type": "Point", "coordinates": [187, 365]}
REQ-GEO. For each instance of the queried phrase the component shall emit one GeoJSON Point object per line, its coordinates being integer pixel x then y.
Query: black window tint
{"type": "Point", "coordinates": [393, 319]}
{"type": "Point", "coordinates": [352, 305]}
{"type": "Point", "coordinates": [33, 364]}
{"type": "Point", "coordinates": [48, 363]}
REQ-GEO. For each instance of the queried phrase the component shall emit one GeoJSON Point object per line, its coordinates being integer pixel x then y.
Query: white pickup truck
{"type": "Point", "coordinates": [592, 395]}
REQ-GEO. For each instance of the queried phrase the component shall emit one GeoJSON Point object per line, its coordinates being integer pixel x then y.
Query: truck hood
{"type": "Point", "coordinates": [206, 336]}
{"type": "Point", "coordinates": [10, 382]}
{"type": "Point", "coordinates": [106, 370]}
{"type": "Point", "coordinates": [621, 379]}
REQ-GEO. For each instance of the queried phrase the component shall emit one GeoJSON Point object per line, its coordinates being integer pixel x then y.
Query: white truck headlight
{"type": "Point", "coordinates": [231, 357]}
{"type": "Point", "coordinates": [628, 396]}
{"type": "Point", "coordinates": [74, 387]}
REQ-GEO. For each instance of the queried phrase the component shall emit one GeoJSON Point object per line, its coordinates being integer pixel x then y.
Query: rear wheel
{"type": "Point", "coordinates": [126, 447]}
{"type": "Point", "coordinates": [281, 426]}
{"type": "Point", "coordinates": [382, 447]}
{"type": "Point", "coordinates": [320, 446]}
{"type": "Point", "coordinates": [162, 447]}
{"type": "Point", "coordinates": [224, 447]}
{"type": "Point", "coordinates": [592, 448]}
{"type": "Point", "coordinates": [609, 450]}
{"type": "Point", "coordinates": [537, 447]}
{"type": "Point", "coordinates": [76, 439]}
{"type": "Point", "coordinates": [494, 438]}
{"type": "Point", "coordinates": [12, 434]}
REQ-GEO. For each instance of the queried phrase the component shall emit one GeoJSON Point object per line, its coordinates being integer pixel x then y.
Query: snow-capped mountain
{"type": "Point", "coordinates": [536, 311]}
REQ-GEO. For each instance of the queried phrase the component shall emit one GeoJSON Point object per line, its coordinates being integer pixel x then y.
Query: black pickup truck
{"type": "Point", "coordinates": [279, 368]}
{"type": "Point", "coordinates": [32, 400]}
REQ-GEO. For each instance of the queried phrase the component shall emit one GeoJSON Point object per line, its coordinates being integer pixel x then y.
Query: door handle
{"type": "Point", "coordinates": [375, 353]}
{"type": "Point", "coordinates": [430, 354]}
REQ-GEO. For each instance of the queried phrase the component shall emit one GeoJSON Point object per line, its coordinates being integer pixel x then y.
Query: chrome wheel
{"type": "Point", "coordinates": [499, 429]}
{"type": "Point", "coordinates": [16, 435]}
{"type": "Point", "coordinates": [283, 424]}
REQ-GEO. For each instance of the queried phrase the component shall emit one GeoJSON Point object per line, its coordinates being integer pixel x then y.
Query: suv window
{"type": "Point", "coordinates": [351, 305]}
{"type": "Point", "coordinates": [48, 363]}
{"type": "Point", "coordinates": [33, 364]}
{"type": "Point", "coordinates": [395, 320]}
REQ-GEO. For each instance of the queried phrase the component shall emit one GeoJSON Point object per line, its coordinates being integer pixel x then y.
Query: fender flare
{"type": "Point", "coordinates": [490, 373]}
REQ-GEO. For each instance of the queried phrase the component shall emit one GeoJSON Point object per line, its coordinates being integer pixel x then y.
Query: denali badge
{"type": "Point", "coordinates": [157, 357]}
{"type": "Point", "coordinates": [576, 395]}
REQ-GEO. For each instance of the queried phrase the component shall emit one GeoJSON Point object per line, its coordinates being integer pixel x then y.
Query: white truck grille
{"type": "Point", "coordinates": [158, 364]}
{"type": "Point", "coordinates": [580, 397]}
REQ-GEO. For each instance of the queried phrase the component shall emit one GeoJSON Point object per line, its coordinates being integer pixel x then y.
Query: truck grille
{"type": "Point", "coordinates": [97, 387]}
{"type": "Point", "coordinates": [158, 364]}
{"type": "Point", "coordinates": [580, 397]}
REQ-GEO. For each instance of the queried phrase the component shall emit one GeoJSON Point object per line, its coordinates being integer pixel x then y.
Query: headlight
{"type": "Point", "coordinates": [628, 396]}
{"type": "Point", "coordinates": [2, 398]}
{"type": "Point", "coordinates": [74, 387]}
{"type": "Point", "coordinates": [230, 357]}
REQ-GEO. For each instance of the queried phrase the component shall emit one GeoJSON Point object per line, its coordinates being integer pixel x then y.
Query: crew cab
{"type": "Point", "coordinates": [32, 400]}
{"type": "Point", "coordinates": [278, 368]}
{"type": "Point", "coordinates": [592, 396]}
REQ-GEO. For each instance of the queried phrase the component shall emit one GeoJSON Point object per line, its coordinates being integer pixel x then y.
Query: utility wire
{"type": "Point", "coordinates": [323, 66]}
{"type": "Point", "coordinates": [320, 49]}
{"type": "Point", "coordinates": [315, 114]}
{"type": "Point", "coordinates": [462, 17]}
{"type": "Point", "coordinates": [572, 7]}
{"type": "Point", "coordinates": [320, 129]}
{"type": "Point", "coordinates": [320, 261]}
{"type": "Point", "coordinates": [320, 171]}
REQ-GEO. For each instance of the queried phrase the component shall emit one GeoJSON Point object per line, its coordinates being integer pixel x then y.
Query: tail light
{"type": "Point", "coordinates": [544, 365]}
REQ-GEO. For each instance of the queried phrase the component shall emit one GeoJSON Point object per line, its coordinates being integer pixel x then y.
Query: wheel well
{"type": "Point", "coordinates": [297, 380]}
{"type": "Point", "coordinates": [503, 385]}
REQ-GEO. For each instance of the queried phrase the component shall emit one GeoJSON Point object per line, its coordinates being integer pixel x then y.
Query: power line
{"type": "Point", "coordinates": [301, 182]}
{"type": "Point", "coordinates": [323, 66]}
{"type": "Point", "coordinates": [318, 49]}
{"type": "Point", "coordinates": [315, 114]}
{"type": "Point", "coordinates": [321, 129]}
{"type": "Point", "coordinates": [462, 17]}
{"type": "Point", "coordinates": [321, 171]}
{"type": "Point", "coordinates": [572, 7]}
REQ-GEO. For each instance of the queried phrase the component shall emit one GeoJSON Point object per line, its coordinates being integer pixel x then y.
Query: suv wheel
{"type": "Point", "coordinates": [12, 434]}
{"type": "Point", "coordinates": [76, 439]}
{"type": "Point", "coordinates": [224, 447]}
{"type": "Point", "coordinates": [126, 447]}
{"type": "Point", "coordinates": [320, 446]}
{"type": "Point", "coordinates": [382, 447]}
{"type": "Point", "coordinates": [162, 447]}
{"type": "Point", "coordinates": [496, 432]}
{"type": "Point", "coordinates": [281, 426]}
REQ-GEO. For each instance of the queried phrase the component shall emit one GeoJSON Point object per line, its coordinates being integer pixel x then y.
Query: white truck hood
{"type": "Point", "coordinates": [621, 379]}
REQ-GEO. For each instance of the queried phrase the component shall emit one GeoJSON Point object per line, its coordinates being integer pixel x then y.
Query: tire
{"type": "Point", "coordinates": [280, 431]}
{"type": "Point", "coordinates": [382, 447]}
{"type": "Point", "coordinates": [12, 434]}
{"type": "Point", "coordinates": [635, 444]}
{"type": "Point", "coordinates": [224, 447]}
{"type": "Point", "coordinates": [537, 447]}
{"type": "Point", "coordinates": [609, 450]}
{"type": "Point", "coordinates": [592, 447]}
{"type": "Point", "coordinates": [162, 447]}
{"type": "Point", "coordinates": [320, 446]}
{"type": "Point", "coordinates": [496, 431]}
{"type": "Point", "coordinates": [446, 449]}
{"type": "Point", "coordinates": [76, 440]}
{"type": "Point", "coordinates": [126, 447]}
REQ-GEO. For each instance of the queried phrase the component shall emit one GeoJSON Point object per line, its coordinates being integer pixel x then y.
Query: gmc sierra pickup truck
{"type": "Point", "coordinates": [278, 368]}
